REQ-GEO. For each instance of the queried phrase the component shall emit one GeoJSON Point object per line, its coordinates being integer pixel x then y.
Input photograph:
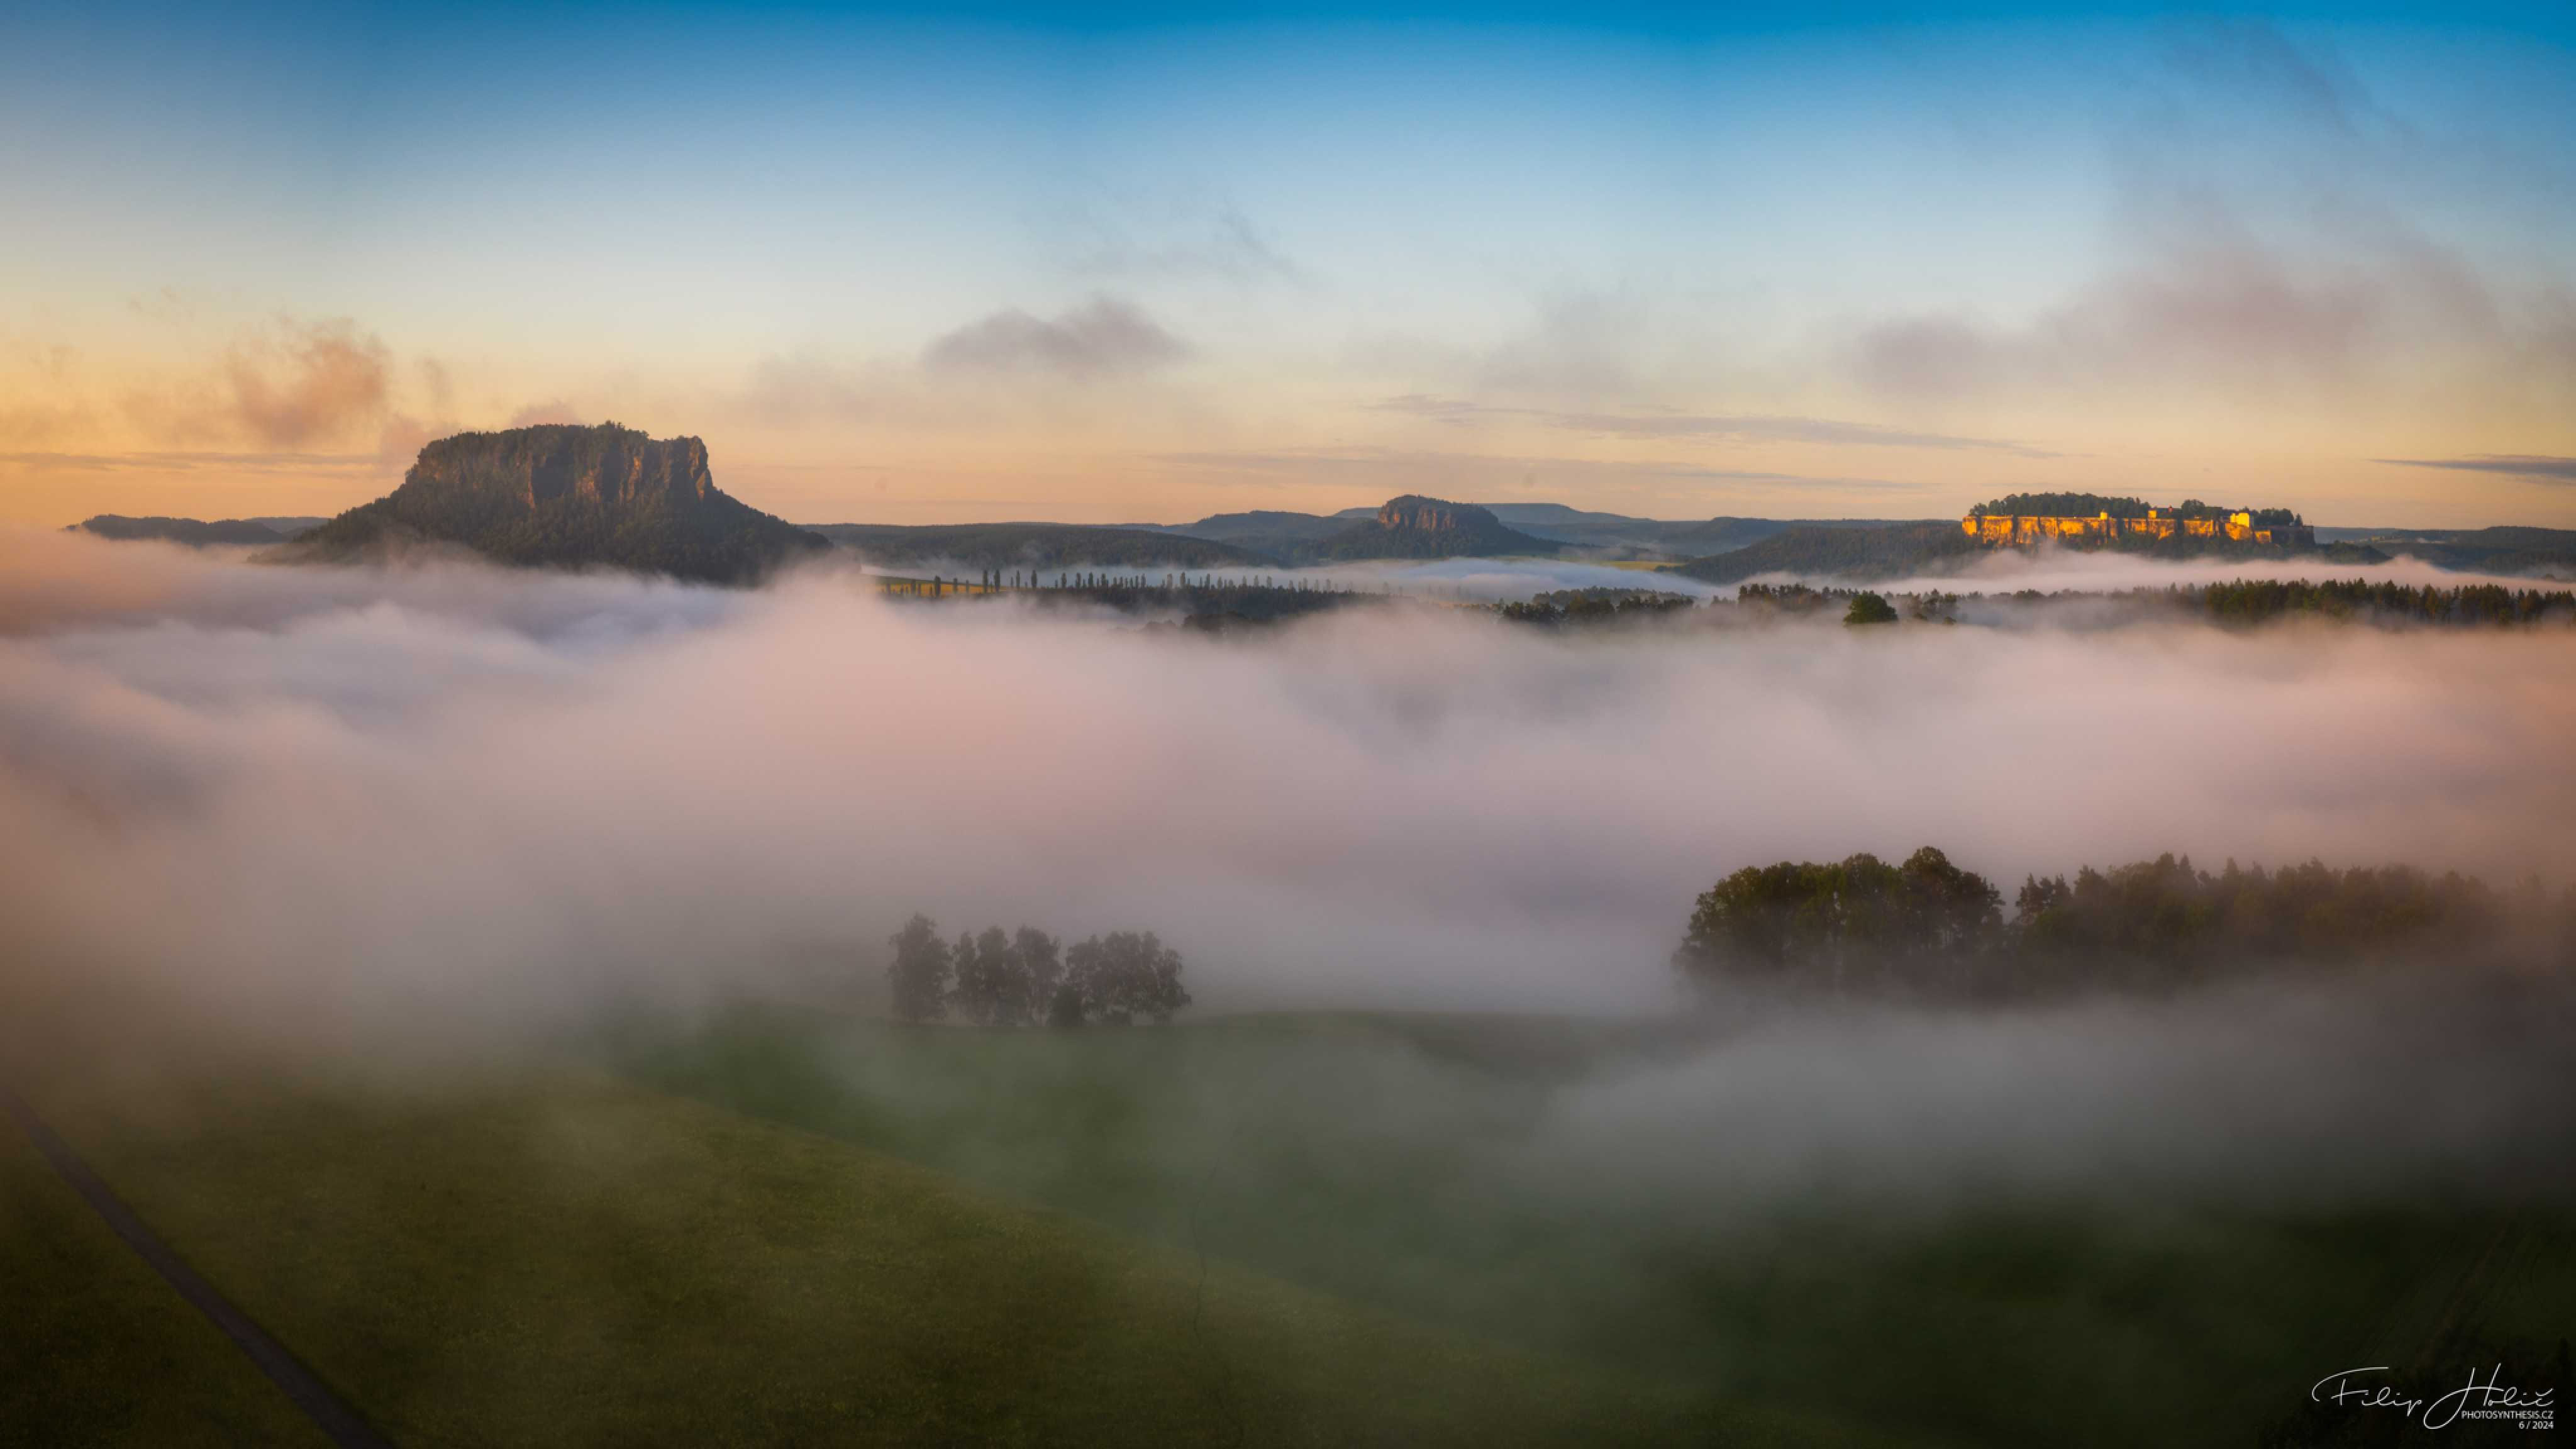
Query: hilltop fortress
{"type": "Point", "coordinates": [2086, 519]}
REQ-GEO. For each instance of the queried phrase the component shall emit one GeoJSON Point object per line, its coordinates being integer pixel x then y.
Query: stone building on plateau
{"type": "Point", "coordinates": [2021, 530]}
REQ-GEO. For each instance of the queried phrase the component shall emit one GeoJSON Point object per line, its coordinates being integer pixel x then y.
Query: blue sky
{"type": "Point", "coordinates": [1120, 262]}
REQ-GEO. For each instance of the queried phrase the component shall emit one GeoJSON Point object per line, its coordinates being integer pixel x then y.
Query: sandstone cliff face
{"type": "Point", "coordinates": [1431, 515]}
{"type": "Point", "coordinates": [568, 497]}
{"type": "Point", "coordinates": [1416, 527]}
{"type": "Point", "coordinates": [531, 468]}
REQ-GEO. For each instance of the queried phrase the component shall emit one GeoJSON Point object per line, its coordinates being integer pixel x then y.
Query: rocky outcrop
{"type": "Point", "coordinates": [568, 497]}
{"type": "Point", "coordinates": [1432, 515]}
{"type": "Point", "coordinates": [1417, 527]}
{"type": "Point", "coordinates": [529, 469]}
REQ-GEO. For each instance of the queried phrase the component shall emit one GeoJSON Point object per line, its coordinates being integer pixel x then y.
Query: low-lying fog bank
{"type": "Point", "coordinates": [2049, 569]}
{"type": "Point", "coordinates": [1662, 1194]}
{"type": "Point", "coordinates": [448, 789]}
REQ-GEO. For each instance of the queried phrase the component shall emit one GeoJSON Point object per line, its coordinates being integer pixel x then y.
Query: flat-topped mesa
{"type": "Point", "coordinates": [1417, 527]}
{"type": "Point", "coordinates": [1432, 515]}
{"type": "Point", "coordinates": [2011, 530]}
{"type": "Point", "coordinates": [562, 496]}
{"type": "Point", "coordinates": [532, 467]}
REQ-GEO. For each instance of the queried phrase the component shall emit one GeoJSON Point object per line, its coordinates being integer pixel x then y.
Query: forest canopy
{"type": "Point", "coordinates": [1023, 978]}
{"type": "Point", "coordinates": [1861, 924]}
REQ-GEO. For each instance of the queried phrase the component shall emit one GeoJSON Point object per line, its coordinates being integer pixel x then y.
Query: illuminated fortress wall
{"type": "Point", "coordinates": [2021, 530]}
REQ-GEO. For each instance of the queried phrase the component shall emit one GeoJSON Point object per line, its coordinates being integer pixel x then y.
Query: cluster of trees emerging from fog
{"type": "Point", "coordinates": [2253, 601]}
{"type": "Point", "coordinates": [1928, 925]}
{"type": "Point", "coordinates": [1594, 606]}
{"type": "Point", "coordinates": [1026, 977]}
{"type": "Point", "coordinates": [2239, 603]}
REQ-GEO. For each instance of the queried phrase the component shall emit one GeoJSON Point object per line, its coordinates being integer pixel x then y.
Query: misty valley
{"type": "Point", "coordinates": [1366, 725]}
{"type": "Point", "coordinates": [1158, 1007]}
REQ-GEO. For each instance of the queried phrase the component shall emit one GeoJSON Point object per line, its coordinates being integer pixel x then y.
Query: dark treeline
{"type": "Point", "coordinates": [1858, 606]}
{"type": "Point", "coordinates": [2263, 601]}
{"type": "Point", "coordinates": [2240, 602]}
{"type": "Point", "coordinates": [1928, 926]}
{"type": "Point", "coordinates": [1595, 606]}
{"type": "Point", "coordinates": [1208, 600]}
{"type": "Point", "coordinates": [1204, 597]}
{"type": "Point", "coordinates": [1794, 598]}
{"type": "Point", "coordinates": [2254, 601]}
{"type": "Point", "coordinates": [1026, 977]}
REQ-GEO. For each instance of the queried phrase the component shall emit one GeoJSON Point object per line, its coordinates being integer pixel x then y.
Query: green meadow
{"type": "Point", "coordinates": [777, 1226]}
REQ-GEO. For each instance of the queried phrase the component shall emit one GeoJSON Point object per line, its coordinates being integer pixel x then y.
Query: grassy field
{"type": "Point", "coordinates": [561, 1258]}
{"type": "Point", "coordinates": [1371, 1157]}
{"type": "Point", "coordinates": [788, 1227]}
{"type": "Point", "coordinates": [96, 1349]}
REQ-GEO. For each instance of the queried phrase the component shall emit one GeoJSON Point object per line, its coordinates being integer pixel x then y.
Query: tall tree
{"type": "Point", "coordinates": [1126, 975]}
{"type": "Point", "coordinates": [918, 975]}
{"type": "Point", "coordinates": [992, 984]}
{"type": "Point", "coordinates": [1041, 971]}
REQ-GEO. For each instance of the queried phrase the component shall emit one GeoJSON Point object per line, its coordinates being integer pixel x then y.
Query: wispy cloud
{"type": "Point", "coordinates": [1401, 467]}
{"type": "Point", "coordinates": [2531, 467]}
{"type": "Point", "coordinates": [2213, 309]}
{"type": "Point", "coordinates": [283, 385]}
{"type": "Point", "coordinates": [2253, 61]}
{"type": "Point", "coordinates": [308, 380]}
{"type": "Point", "coordinates": [1103, 337]}
{"type": "Point", "coordinates": [2264, 253]}
{"type": "Point", "coordinates": [1126, 239]}
{"type": "Point", "coordinates": [334, 464]}
{"type": "Point", "coordinates": [1742, 427]}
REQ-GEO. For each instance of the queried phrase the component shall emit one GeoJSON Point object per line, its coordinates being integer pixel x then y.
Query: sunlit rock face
{"type": "Point", "coordinates": [1431, 515]}
{"type": "Point", "coordinates": [566, 496]}
{"type": "Point", "coordinates": [2002, 530]}
{"type": "Point", "coordinates": [535, 467]}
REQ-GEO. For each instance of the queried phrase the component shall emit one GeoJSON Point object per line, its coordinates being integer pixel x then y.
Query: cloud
{"type": "Point", "coordinates": [791, 391]}
{"type": "Point", "coordinates": [305, 381]}
{"type": "Point", "coordinates": [451, 789]}
{"type": "Point", "coordinates": [2273, 234]}
{"type": "Point", "coordinates": [2210, 307]}
{"type": "Point", "coordinates": [2253, 60]}
{"type": "Point", "coordinates": [1180, 240]}
{"type": "Point", "coordinates": [1678, 488]}
{"type": "Point", "coordinates": [320, 464]}
{"type": "Point", "coordinates": [289, 384]}
{"type": "Point", "coordinates": [1584, 343]}
{"type": "Point", "coordinates": [2530, 467]}
{"type": "Point", "coordinates": [2244, 1094]}
{"type": "Point", "coordinates": [1104, 337]}
{"type": "Point", "coordinates": [2207, 309]}
{"type": "Point", "coordinates": [1741, 427]}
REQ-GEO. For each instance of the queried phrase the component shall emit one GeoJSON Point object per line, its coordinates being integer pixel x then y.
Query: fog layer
{"type": "Point", "coordinates": [504, 792]}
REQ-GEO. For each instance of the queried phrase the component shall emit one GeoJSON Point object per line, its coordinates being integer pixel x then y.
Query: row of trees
{"type": "Point", "coordinates": [1021, 978]}
{"type": "Point", "coordinates": [1595, 606]}
{"type": "Point", "coordinates": [2254, 601]}
{"type": "Point", "coordinates": [1859, 606]}
{"type": "Point", "coordinates": [2163, 909]}
{"type": "Point", "coordinates": [2240, 602]}
{"type": "Point", "coordinates": [1862, 923]}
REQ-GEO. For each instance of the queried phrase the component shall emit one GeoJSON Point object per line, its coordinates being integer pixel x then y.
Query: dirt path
{"type": "Point", "coordinates": [331, 1414]}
